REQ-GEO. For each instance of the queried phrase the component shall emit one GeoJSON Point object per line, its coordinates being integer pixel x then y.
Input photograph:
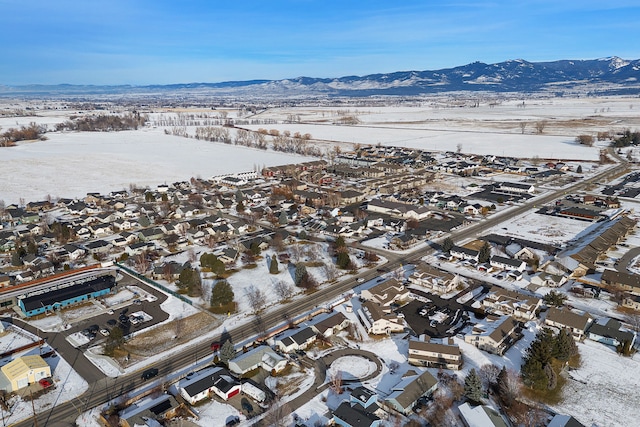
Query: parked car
{"type": "Point", "coordinates": [105, 332]}
{"type": "Point", "coordinates": [246, 405]}
{"type": "Point", "coordinates": [110, 312]}
{"type": "Point", "coordinates": [45, 383]}
{"type": "Point", "coordinates": [149, 373]}
{"type": "Point", "coordinates": [112, 322]}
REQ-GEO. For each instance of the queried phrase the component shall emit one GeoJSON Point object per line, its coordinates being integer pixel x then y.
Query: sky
{"type": "Point", "coordinates": [183, 41]}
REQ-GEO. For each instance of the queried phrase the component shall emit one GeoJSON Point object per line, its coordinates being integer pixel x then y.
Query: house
{"type": "Point", "coordinates": [23, 371]}
{"type": "Point", "coordinates": [610, 332]}
{"type": "Point", "coordinates": [297, 339]}
{"type": "Point", "coordinates": [433, 354]}
{"type": "Point", "coordinates": [480, 416]}
{"type": "Point", "coordinates": [436, 281]}
{"type": "Point", "coordinates": [199, 386]}
{"type": "Point", "coordinates": [560, 420]}
{"type": "Point", "coordinates": [625, 281]}
{"type": "Point", "coordinates": [98, 247]}
{"type": "Point", "coordinates": [386, 293]}
{"type": "Point", "coordinates": [330, 325]}
{"type": "Point", "coordinates": [567, 319]}
{"type": "Point", "coordinates": [464, 253]}
{"type": "Point", "coordinates": [495, 336]}
{"type": "Point", "coordinates": [413, 386]}
{"type": "Point", "coordinates": [152, 411]}
{"type": "Point", "coordinates": [632, 302]}
{"type": "Point", "coordinates": [548, 280]}
{"type": "Point", "coordinates": [377, 321]}
{"type": "Point", "coordinates": [503, 263]}
{"type": "Point", "coordinates": [349, 414]}
{"type": "Point", "coordinates": [259, 357]}
{"type": "Point", "coordinates": [504, 301]}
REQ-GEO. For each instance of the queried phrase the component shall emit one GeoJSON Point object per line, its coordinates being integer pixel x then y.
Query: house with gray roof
{"type": "Point", "coordinates": [566, 319]}
{"type": "Point", "coordinates": [259, 357]}
{"type": "Point", "coordinates": [413, 386]}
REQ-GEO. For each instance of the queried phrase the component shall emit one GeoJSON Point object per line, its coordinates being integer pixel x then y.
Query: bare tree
{"type": "Point", "coordinates": [142, 263]}
{"type": "Point", "coordinates": [523, 126]}
{"type": "Point", "coordinates": [335, 382]}
{"type": "Point", "coordinates": [283, 289]}
{"type": "Point", "coordinates": [459, 148]}
{"type": "Point", "coordinates": [255, 297]}
{"type": "Point", "coordinates": [489, 375]}
{"type": "Point", "coordinates": [540, 126]}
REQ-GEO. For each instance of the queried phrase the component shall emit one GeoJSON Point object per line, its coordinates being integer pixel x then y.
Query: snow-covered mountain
{"type": "Point", "coordinates": [611, 75]}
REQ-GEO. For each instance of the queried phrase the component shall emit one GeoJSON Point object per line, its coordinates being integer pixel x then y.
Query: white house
{"type": "Point", "coordinates": [260, 357]}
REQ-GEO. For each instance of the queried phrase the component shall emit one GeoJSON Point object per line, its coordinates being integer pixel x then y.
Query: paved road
{"type": "Point", "coordinates": [101, 390]}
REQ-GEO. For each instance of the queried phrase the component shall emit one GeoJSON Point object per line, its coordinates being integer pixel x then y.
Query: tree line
{"type": "Point", "coordinates": [25, 133]}
{"type": "Point", "coordinates": [103, 123]}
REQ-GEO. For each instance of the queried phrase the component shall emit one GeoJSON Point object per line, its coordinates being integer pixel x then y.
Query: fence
{"type": "Point", "coordinates": [154, 283]}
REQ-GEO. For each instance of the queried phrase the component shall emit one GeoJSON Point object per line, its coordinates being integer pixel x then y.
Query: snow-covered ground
{"type": "Point", "coordinates": [73, 164]}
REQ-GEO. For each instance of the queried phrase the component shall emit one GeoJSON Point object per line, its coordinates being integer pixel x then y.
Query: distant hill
{"type": "Point", "coordinates": [605, 76]}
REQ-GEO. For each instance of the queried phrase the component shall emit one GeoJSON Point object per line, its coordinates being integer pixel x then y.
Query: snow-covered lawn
{"type": "Point", "coordinates": [605, 390]}
{"type": "Point", "coordinates": [351, 367]}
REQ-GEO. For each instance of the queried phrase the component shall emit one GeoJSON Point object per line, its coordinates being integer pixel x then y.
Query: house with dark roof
{"type": "Point", "coordinates": [464, 253]}
{"type": "Point", "coordinates": [504, 263]}
{"type": "Point", "coordinates": [610, 332]}
{"type": "Point", "coordinates": [625, 281]}
{"type": "Point", "coordinates": [350, 414]}
{"type": "Point", "coordinates": [297, 339]}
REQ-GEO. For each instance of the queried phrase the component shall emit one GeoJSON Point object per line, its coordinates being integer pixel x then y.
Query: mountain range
{"type": "Point", "coordinates": [604, 76]}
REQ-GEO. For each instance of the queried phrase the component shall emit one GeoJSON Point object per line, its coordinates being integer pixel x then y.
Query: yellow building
{"type": "Point", "coordinates": [25, 370]}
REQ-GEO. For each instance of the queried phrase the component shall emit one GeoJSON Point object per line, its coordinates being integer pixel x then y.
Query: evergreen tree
{"type": "Point", "coordinates": [579, 169]}
{"type": "Point", "coordinates": [189, 279]}
{"type": "Point", "coordinates": [221, 294]}
{"type": "Point", "coordinates": [473, 386]}
{"type": "Point", "coordinates": [564, 346]}
{"type": "Point", "coordinates": [227, 352]}
{"type": "Point", "coordinates": [240, 206]}
{"type": "Point", "coordinates": [300, 273]}
{"type": "Point", "coordinates": [342, 260]}
{"type": "Point", "coordinates": [555, 299]}
{"type": "Point", "coordinates": [485, 253]}
{"type": "Point", "coordinates": [533, 375]}
{"type": "Point", "coordinates": [273, 266]}
{"type": "Point", "coordinates": [447, 245]}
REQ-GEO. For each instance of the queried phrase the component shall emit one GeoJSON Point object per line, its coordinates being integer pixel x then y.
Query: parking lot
{"type": "Point", "coordinates": [437, 318]}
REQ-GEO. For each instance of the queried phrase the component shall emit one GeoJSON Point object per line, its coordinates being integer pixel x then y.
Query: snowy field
{"type": "Point", "coordinates": [74, 164]}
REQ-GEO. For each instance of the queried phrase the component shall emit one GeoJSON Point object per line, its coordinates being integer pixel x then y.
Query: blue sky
{"type": "Point", "coordinates": [181, 41]}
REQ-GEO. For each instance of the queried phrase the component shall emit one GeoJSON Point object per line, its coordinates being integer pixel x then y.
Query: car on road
{"type": "Point", "coordinates": [215, 346]}
{"type": "Point", "coordinates": [360, 280]}
{"type": "Point", "coordinates": [149, 373]}
{"type": "Point", "coordinates": [137, 302]}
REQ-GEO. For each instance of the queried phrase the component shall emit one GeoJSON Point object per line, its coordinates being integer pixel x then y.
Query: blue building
{"type": "Point", "coordinates": [55, 299]}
